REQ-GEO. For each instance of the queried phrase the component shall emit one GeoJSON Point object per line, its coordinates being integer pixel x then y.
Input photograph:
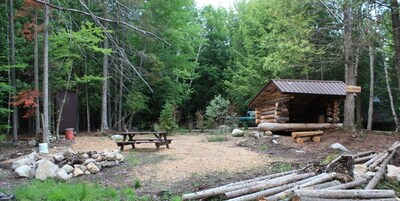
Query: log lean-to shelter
{"type": "Point", "coordinates": [290, 105]}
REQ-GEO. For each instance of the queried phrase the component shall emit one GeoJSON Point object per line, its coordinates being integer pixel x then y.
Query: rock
{"type": "Point", "coordinates": [85, 156]}
{"type": "Point", "coordinates": [339, 147]}
{"type": "Point", "coordinates": [117, 137]}
{"type": "Point", "coordinates": [32, 143]}
{"type": "Point", "coordinates": [87, 172]}
{"type": "Point", "coordinates": [25, 171]}
{"type": "Point", "coordinates": [119, 157]}
{"type": "Point", "coordinates": [5, 197]}
{"type": "Point", "coordinates": [24, 161]}
{"type": "Point", "coordinates": [269, 133]}
{"type": "Point", "coordinates": [254, 135]}
{"type": "Point", "coordinates": [58, 157]}
{"type": "Point", "coordinates": [46, 169]}
{"type": "Point", "coordinates": [360, 170]}
{"type": "Point", "coordinates": [95, 156]}
{"type": "Point", "coordinates": [63, 175]}
{"type": "Point", "coordinates": [68, 169]}
{"type": "Point", "coordinates": [93, 168]}
{"type": "Point", "coordinates": [110, 156]}
{"type": "Point", "coordinates": [392, 172]}
{"type": "Point", "coordinates": [83, 168]}
{"type": "Point", "coordinates": [275, 141]}
{"type": "Point", "coordinates": [77, 172]}
{"type": "Point", "coordinates": [34, 155]}
{"type": "Point", "coordinates": [99, 159]}
{"type": "Point", "coordinates": [276, 136]}
{"type": "Point", "coordinates": [237, 133]}
{"type": "Point", "coordinates": [109, 163]}
{"type": "Point", "coordinates": [90, 160]}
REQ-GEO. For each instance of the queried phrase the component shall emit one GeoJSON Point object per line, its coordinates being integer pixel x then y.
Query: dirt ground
{"type": "Point", "coordinates": [193, 163]}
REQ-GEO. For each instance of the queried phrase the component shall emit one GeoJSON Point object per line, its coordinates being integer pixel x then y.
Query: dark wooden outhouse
{"type": "Point", "coordinates": [299, 102]}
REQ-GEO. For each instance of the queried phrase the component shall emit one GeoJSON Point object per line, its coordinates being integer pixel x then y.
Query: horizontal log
{"type": "Point", "coordinates": [297, 198]}
{"type": "Point", "coordinates": [365, 158]}
{"type": "Point", "coordinates": [307, 134]}
{"type": "Point", "coordinates": [361, 154]}
{"type": "Point", "coordinates": [327, 184]}
{"type": "Point", "coordinates": [296, 126]}
{"type": "Point", "coordinates": [268, 121]}
{"type": "Point", "coordinates": [357, 182]}
{"type": "Point", "coordinates": [340, 194]}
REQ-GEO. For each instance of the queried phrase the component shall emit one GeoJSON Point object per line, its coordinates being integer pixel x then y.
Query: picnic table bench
{"type": "Point", "coordinates": [128, 139]}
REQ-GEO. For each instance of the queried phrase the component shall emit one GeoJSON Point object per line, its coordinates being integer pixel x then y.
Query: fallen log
{"type": "Point", "coordinates": [286, 193]}
{"type": "Point", "coordinates": [327, 184]}
{"type": "Point", "coordinates": [296, 198]}
{"type": "Point", "coordinates": [378, 161]}
{"type": "Point", "coordinates": [361, 154]}
{"type": "Point", "coordinates": [275, 190]}
{"type": "Point", "coordinates": [365, 158]}
{"type": "Point", "coordinates": [382, 169]}
{"type": "Point", "coordinates": [270, 184]}
{"type": "Point", "coordinates": [357, 182]}
{"type": "Point", "coordinates": [372, 160]}
{"type": "Point", "coordinates": [233, 186]}
{"type": "Point", "coordinates": [296, 126]}
{"type": "Point", "coordinates": [345, 194]}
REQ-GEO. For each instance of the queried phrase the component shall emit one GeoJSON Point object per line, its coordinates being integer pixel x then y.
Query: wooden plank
{"type": "Point", "coordinates": [299, 140]}
{"type": "Point", "coordinates": [353, 89]}
{"type": "Point", "coordinates": [307, 133]}
{"type": "Point", "coordinates": [316, 139]}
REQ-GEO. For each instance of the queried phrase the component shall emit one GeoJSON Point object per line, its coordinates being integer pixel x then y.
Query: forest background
{"type": "Point", "coordinates": [136, 63]}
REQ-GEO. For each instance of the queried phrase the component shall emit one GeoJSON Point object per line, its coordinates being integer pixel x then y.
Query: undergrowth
{"type": "Point", "coordinates": [217, 138]}
{"type": "Point", "coordinates": [384, 184]}
{"type": "Point", "coordinates": [57, 190]}
{"type": "Point", "coordinates": [281, 167]}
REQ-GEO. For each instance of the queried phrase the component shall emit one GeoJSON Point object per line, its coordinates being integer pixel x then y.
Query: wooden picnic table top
{"type": "Point", "coordinates": [141, 133]}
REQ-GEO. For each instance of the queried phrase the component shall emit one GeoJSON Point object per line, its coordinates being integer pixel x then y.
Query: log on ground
{"type": "Point", "coordinates": [296, 126]}
{"type": "Point", "coordinates": [343, 194]}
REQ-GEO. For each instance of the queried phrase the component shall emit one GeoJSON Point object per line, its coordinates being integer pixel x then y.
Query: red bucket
{"type": "Point", "coordinates": [69, 134]}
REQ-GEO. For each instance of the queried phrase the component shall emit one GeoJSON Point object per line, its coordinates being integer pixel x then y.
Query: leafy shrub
{"type": "Point", "coordinates": [167, 119]}
{"type": "Point", "coordinates": [217, 111]}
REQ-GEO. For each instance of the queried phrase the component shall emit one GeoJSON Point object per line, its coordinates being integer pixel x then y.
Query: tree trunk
{"type": "Point", "coordinates": [104, 113]}
{"type": "Point", "coordinates": [46, 123]}
{"type": "Point", "coordinates": [13, 79]}
{"type": "Point", "coordinates": [389, 90]}
{"type": "Point", "coordinates": [121, 85]}
{"type": "Point", "coordinates": [36, 74]}
{"type": "Point", "coordinates": [371, 54]}
{"type": "Point", "coordinates": [349, 105]}
{"type": "Point", "coordinates": [394, 10]}
{"type": "Point", "coordinates": [87, 99]}
{"type": "Point", "coordinates": [61, 109]}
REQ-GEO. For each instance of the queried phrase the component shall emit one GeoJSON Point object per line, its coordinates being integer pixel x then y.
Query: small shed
{"type": "Point", "coordinates": [299, 102]}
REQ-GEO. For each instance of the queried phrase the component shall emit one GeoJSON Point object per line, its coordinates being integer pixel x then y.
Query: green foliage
{"type": "Point", "coordinates": [167, 118]}
{"type": "Point", "coordinates": [2, 137]}
{"type": "Point", "coordinates": [57, 190]}
{"type": "Point", "coordinates": [330, 157]}
{"type": "Point", "coordinates": [281, 167]}
{"type": "Point", "coordinates": [137, 183]}
{"type": "Point", "coordinates": [136, 101]}
{"type": "Point", "coordinates": [217, 111]}
{"type": "Point", "coordinates": [217, 138]}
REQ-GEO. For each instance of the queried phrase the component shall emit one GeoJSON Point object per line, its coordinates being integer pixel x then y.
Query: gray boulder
{"type": "Point", "coordinates": [25, 171]}
{"type": "Point", "coordinates": [117, 137]}
{"type": "Point", "coordinates": [237, 133]}
{"type": "Point", "coordinates": [93, 168]}
{"type": "Point", "coordinates": [110, 156]}
{"type": "Point", "coordinates": [360, 170]}
{"type": "Point", "coordinates": [109, 164]}
{"type": "Point", "coordinates": [24, 161]}
{"type": "Point", "coordinates": [45, 170]}
{"type": "Point", "coordinates": [68, 169]}
{"type": "Point", "coordinates": [340, 147]}
{"type": "Point", "coordinates": [58, 157]}
{"type": "Point", "coordinates": [119, 157]}
{"type": "Point", "coordinates": [254, 135]}
{"type": "Point", "coordinates": [63, 175]}
{"type": "Point", "coordinates": [393, 172]}
{"type": "Point", "coordinates": [90, 160]}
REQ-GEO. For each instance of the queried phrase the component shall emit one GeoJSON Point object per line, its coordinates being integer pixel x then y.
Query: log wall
{"type": "Point", "coordinates": [274, 110]}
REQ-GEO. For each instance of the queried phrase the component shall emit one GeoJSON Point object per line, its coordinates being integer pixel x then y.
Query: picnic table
{"type": "Point", "coordinates": [128, 139]}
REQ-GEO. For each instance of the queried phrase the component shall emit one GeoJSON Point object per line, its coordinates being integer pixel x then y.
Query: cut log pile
{"type": "Point", "coordinates": [333, 112]}
{"type": "Point", "coordinates": [312, 135]}
{"type": "Point", "coordinates": [334, 181]}
{"type": "Point", "coordinates": [274, 110]}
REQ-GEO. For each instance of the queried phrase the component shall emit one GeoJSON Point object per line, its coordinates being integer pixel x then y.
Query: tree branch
{"type": "Point", "coordinates": [144, 32]}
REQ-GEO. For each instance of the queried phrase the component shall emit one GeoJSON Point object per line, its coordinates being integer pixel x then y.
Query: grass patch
{"type": "Point", "coordinates": [263, 147]}
{"type": "Point", "coordinates": [281, 167]}
{"type": "Point", "coordinates": [132, 159]}
{"type": "Point", "coordinates": [57, 190]}
{"type": "Point", "coordinates": [330, 157]}
{"type": "Point", "coordinates": [137, 183]}
{"type": "Point", "coordinates": [217, 138]}
{"type": "Point", "coordinates": [384, 184]}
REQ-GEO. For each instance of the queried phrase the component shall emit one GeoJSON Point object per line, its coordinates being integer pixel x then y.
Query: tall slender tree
{"type": "Point", "coordinates": [46, 121]}
{"type": "Point", "coordinates": [13, 77]}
